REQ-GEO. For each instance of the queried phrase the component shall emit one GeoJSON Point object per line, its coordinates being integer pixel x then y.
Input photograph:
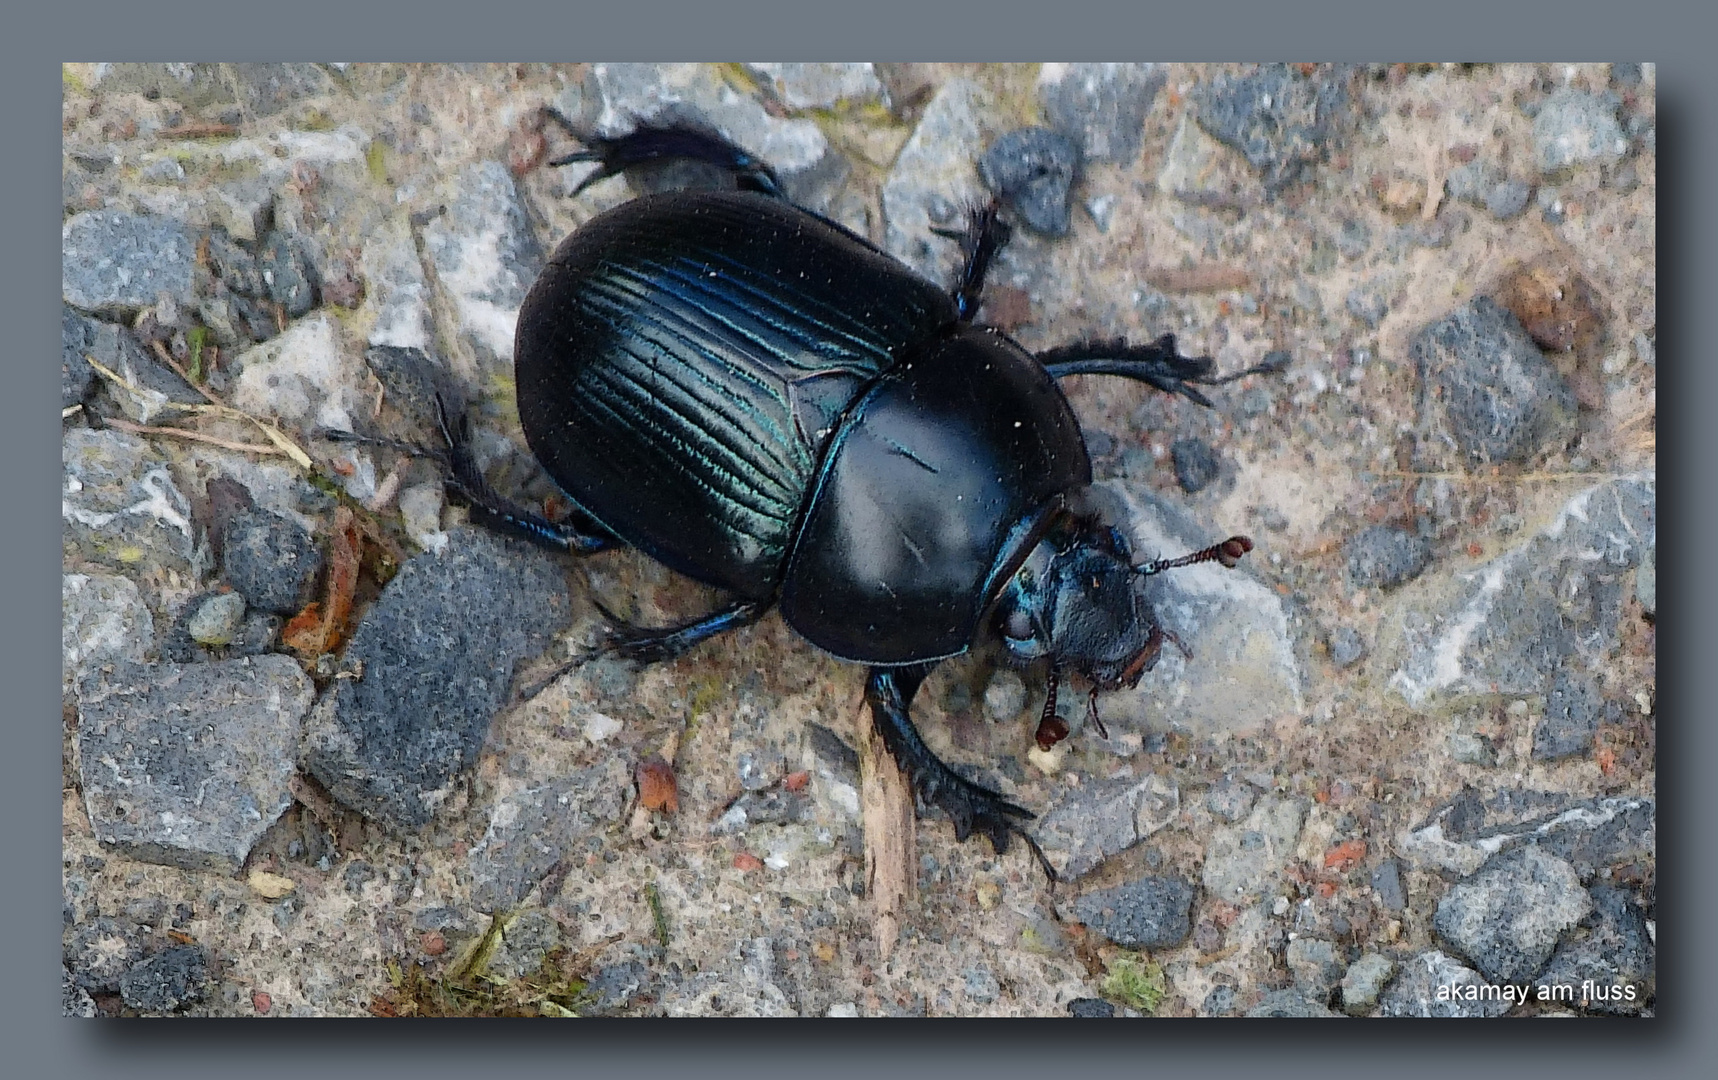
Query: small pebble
{"type": "Point", "coordinates": [1196, 464]}
{"type": "Point", "coordinates": [1382, 557]}
{"type": "Point", "coordinates": [217, 619]}
{"type": "Point", "coordinates": [1033, 170]}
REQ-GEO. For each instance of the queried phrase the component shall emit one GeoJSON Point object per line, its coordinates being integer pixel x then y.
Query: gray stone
{"type": "Point", "coordinates": [74, 999]}
{"type": "Point", "coordinates": [1383, 557]}
{"type": "Point", "coordinates": [103, 619]}
{"type": "Point", "coordinates": [526, 942]}
{"type": "Point", "coordinates": [287, 273]}
{"type": "Point", "coordinates": [1387, 880]}
{"type": "Point", "coordinates": [1433, 984]}
{"type": "Point", "coordinates": [147, 387]}
{"type": "Point", "coordinates": [100, 952]}
{"type": "Point", "coordinates": [486, 256]}
{"type": "Point", "coordinates": [1590, 833]}
{"type": "Point", "coordinates": [1608, 968]}
{"type": "Point", "coordinates": [1095, 821]}
{"type": "Point", "coordinates": [1483, 376]}
{"type": "Point", "coordinates": [1033, 169]}
{"type": "Point", "coordinates": [1471, 749]}
{"type": "Point", "coordinates": [1290, 1003]}
{"type": "Point", "coordinates": [1510, 624]}
{"type": "Point", "coordinates": [168, 980]}
{"type": "Point", "coordinates": [270, 559]}
{"type": "Point", "coordinates": [1369, 306]}
{"type": "Point", "coordinates": [1508, 917]}
{"type": "Point", "coordinates": [115, 263]}
{"type": "Point", "coordinates": [1347, 647]}
{"type": "Point", "coordinates": [217, 619]}
{"type": "Point", "coordinates": [1221, 1001]}
{"type": "Point", "coordinates": [120, 507]}
{"type": "Point", "coordinates": [1317, 966]}
{"type": "Point", "coordinates": [77, 342]}
{"type": "Point", "coordinates": [1243, 862]}
{"type": "Point", "coordinates": [1364, 981]}
{"type": "Point", "coordinates": [187, 765]}
{"type": "Point", "coordinates": [1575, 127]}
{"type": "Point", "coordinates": [614, 987]}
{"type": "Point", "coordinates": [1004, 696]}
{"type": "Point", "coordinates": [264, 89]}
{"type": "Point", "coordinates": [1279, 120]}
{"type": "Point", "coordinates": [1245, 668]}
{"type": "Point", "coordinates": [1146, 913]}
{"type": "Point", "coordinates": [1196, 464]}
{"type": "Point", "coordinates": [820, 86]}
{"type": "Point", "coordinates": [1571, 718]}
{"type": "Point", "coordinates": [1646, 582]}
{"type": "Point", "coordinates": [396, 293]}
{"type": "Point", "coordinates": [1229, 799]}
{"type": "Point", "coordinates": [981, 986]}
{"type": "Point", "coordinates": [438, 650]}
{"type": "Point", "coordinates": [1507, 199]}
{"type": "Point", "coordinates": [253, 636]}
{"type": "Point", "coordinates": [305, 376]}
{"type": "Point", "coordinates": [1091, 1008]}
{"type": "Point", "coordinates": [1102, 107]}
{"type": "Point", "coordinates": [933, 177]}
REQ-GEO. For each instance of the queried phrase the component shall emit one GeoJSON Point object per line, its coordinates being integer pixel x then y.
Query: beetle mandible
{"type": "Point", "coordinates": [764, 401]}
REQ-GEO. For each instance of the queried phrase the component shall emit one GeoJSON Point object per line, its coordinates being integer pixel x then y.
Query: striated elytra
{"type": "Point", "coordinates": [764, 401]}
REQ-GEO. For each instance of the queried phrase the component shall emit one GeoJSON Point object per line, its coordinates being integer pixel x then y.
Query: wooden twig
{"type": "Point", "coordinates": [194, 436]}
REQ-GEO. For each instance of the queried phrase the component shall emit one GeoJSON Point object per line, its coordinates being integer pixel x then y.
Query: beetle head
{"type": "Point", "coordinates": [1079, 600]}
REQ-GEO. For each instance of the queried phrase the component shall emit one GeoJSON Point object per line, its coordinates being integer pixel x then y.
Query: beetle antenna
{"type": "Point", "coordinates": [1228, 553]}
{"type": "Point", "coordinates": [1043, 861]}
{"type": "Point", "coordinates": [1052, 729]}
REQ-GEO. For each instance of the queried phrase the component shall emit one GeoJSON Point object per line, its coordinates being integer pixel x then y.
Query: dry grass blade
{"type": "Point", "coordinates": [194, 436]}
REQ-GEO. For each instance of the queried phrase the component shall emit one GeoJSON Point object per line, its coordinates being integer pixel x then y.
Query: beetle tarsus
{"type": "Point", "coordinates": [984, 236]}
{"type": "Point", "coordinates": [650, 646]}
{"type": "Point", "coordinates": [1158, 364]}
{"type": "Point", "coordinates": [971, 808]}
{"type": "Point", "coordinates": [654, 144]}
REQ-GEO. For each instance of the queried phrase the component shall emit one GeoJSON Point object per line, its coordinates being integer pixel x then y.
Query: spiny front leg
{"type": "Point", "coordinates": [889, 692]}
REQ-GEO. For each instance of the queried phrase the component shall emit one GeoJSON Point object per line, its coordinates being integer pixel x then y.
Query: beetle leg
{"type": "Point", "coordinates": [1157, 363]}
{"type": "Point", "coordinates": [650, 646]}
{"type": "Point", "coordinates": [579, 535]}
{"type": "Point", "coordinates": [983, 237]}
{"type": "Point", "coordinates": [889, 691]}
{"type": "Point", "coordinates": [650, 143]}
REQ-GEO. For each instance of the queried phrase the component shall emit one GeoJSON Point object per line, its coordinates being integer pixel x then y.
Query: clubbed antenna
{"type": "Point", "coordinates": [1228, 553]}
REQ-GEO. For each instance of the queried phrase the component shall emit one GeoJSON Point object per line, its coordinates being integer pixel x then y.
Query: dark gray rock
{"type": "Point", "coordinates": [1484, 377]}
{"type": "Point", "coordinates": [287, 273]}
{"type": "Point", "coordinates": [1571, 718]}
{"type": "Point", "coordinates": [1317, 966]}
{"type": "Point", "coordinates": [412, 381]}
{"type": "Point", "coordinates": [613, 987]}
{"type": "Point", "coordinates": [1589, 833]}
{"type": "Point", "coordinates": [1033, 170]}
{"type": "Point", "coordinates": [1196, 464]}
{"type": "Point", "coordinates": [1091, 1008]}
{"type": "Point", "coordinates": [1552, 599]}
{"type": "Point", "coordinates": [103, 619]}
{"type": "Point", "coordinates": [1507, 198]}
{"type": "Point", "coordinates": [1280, 120]}
{"type": "Point", "coordinates": [115, 263]}
{"type": "Point", "coordinates": [1353, 238]}
{"type": "Point", "coordinates": [1347, 647]}
{"type": "Point", "coordinates": [530, 832]}
{"type": "Point", "coordinates": [1576, 127]}
{"type": "Point", "coordinates": [1101, 107]}
{"type": "Point", "coordinates": [149, 385]}
{"type": "Point", "coordinates": [1433, 984]}
{"type": "Point", "coordinates": [188, 765]}
{"type": "Point", "coordinates": [217, 619]}
{"type": "Point", "coordinates": [1364, 981]}
{"type": "Point", "coordinates": [1387, 879]}
{"type": "Point", "coordinates": [1508, 917]}
{"type": "Point", "coordinates": [98, 953]}
{"type": "Point", "coordinates": [74, 999]}
{"type": "Point", "coordinates": [1147, 913]}
{"type": "Point", "coordinates": [168, 980]}
{"type": "Point", "coordinates": [77, 341]}
{"type": "Point", "coordinates": [1383, 557]}
{"type": "Point", "coordinates": [1609, 967]}
{"type": "Point", "coordinates": [253, 636]}
{"type": "Point", "coordinates": [270, 559]}
{"type": "Point", "coordinates": [438, 649]}
{"type": "Point", "coordinates": [1095, 821]}
{"type": "Point", "coordinates": [1290, 1003]}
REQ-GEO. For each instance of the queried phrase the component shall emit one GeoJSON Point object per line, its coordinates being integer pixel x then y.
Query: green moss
{"type": "Point", "coordinates": [1135, 982]}
{"type": "Point", "coordinates": [653, 897]}
{"type": "Point", "coordinates": [196, 338]}
{"type": "Point", "coordinates": [376, 161]}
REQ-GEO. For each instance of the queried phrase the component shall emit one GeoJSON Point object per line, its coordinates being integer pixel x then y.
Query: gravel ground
{"type": "Point", "coordinates": [1403, 766]}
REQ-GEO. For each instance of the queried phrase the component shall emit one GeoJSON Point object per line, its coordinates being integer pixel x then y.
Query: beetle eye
{"type": "Point", "coordinates": [1018, 626]}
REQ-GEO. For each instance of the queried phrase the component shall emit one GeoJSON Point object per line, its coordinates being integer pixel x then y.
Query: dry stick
{"type": "Point", "coordinates": [194, 436]}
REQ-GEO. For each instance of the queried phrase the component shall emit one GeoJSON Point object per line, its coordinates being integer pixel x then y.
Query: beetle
{"type": "Point", "coordinates": [762, 400]}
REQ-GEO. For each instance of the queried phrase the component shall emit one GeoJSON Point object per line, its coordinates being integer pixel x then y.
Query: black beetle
{"type": "Point", "coordinates": [764, 401]}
